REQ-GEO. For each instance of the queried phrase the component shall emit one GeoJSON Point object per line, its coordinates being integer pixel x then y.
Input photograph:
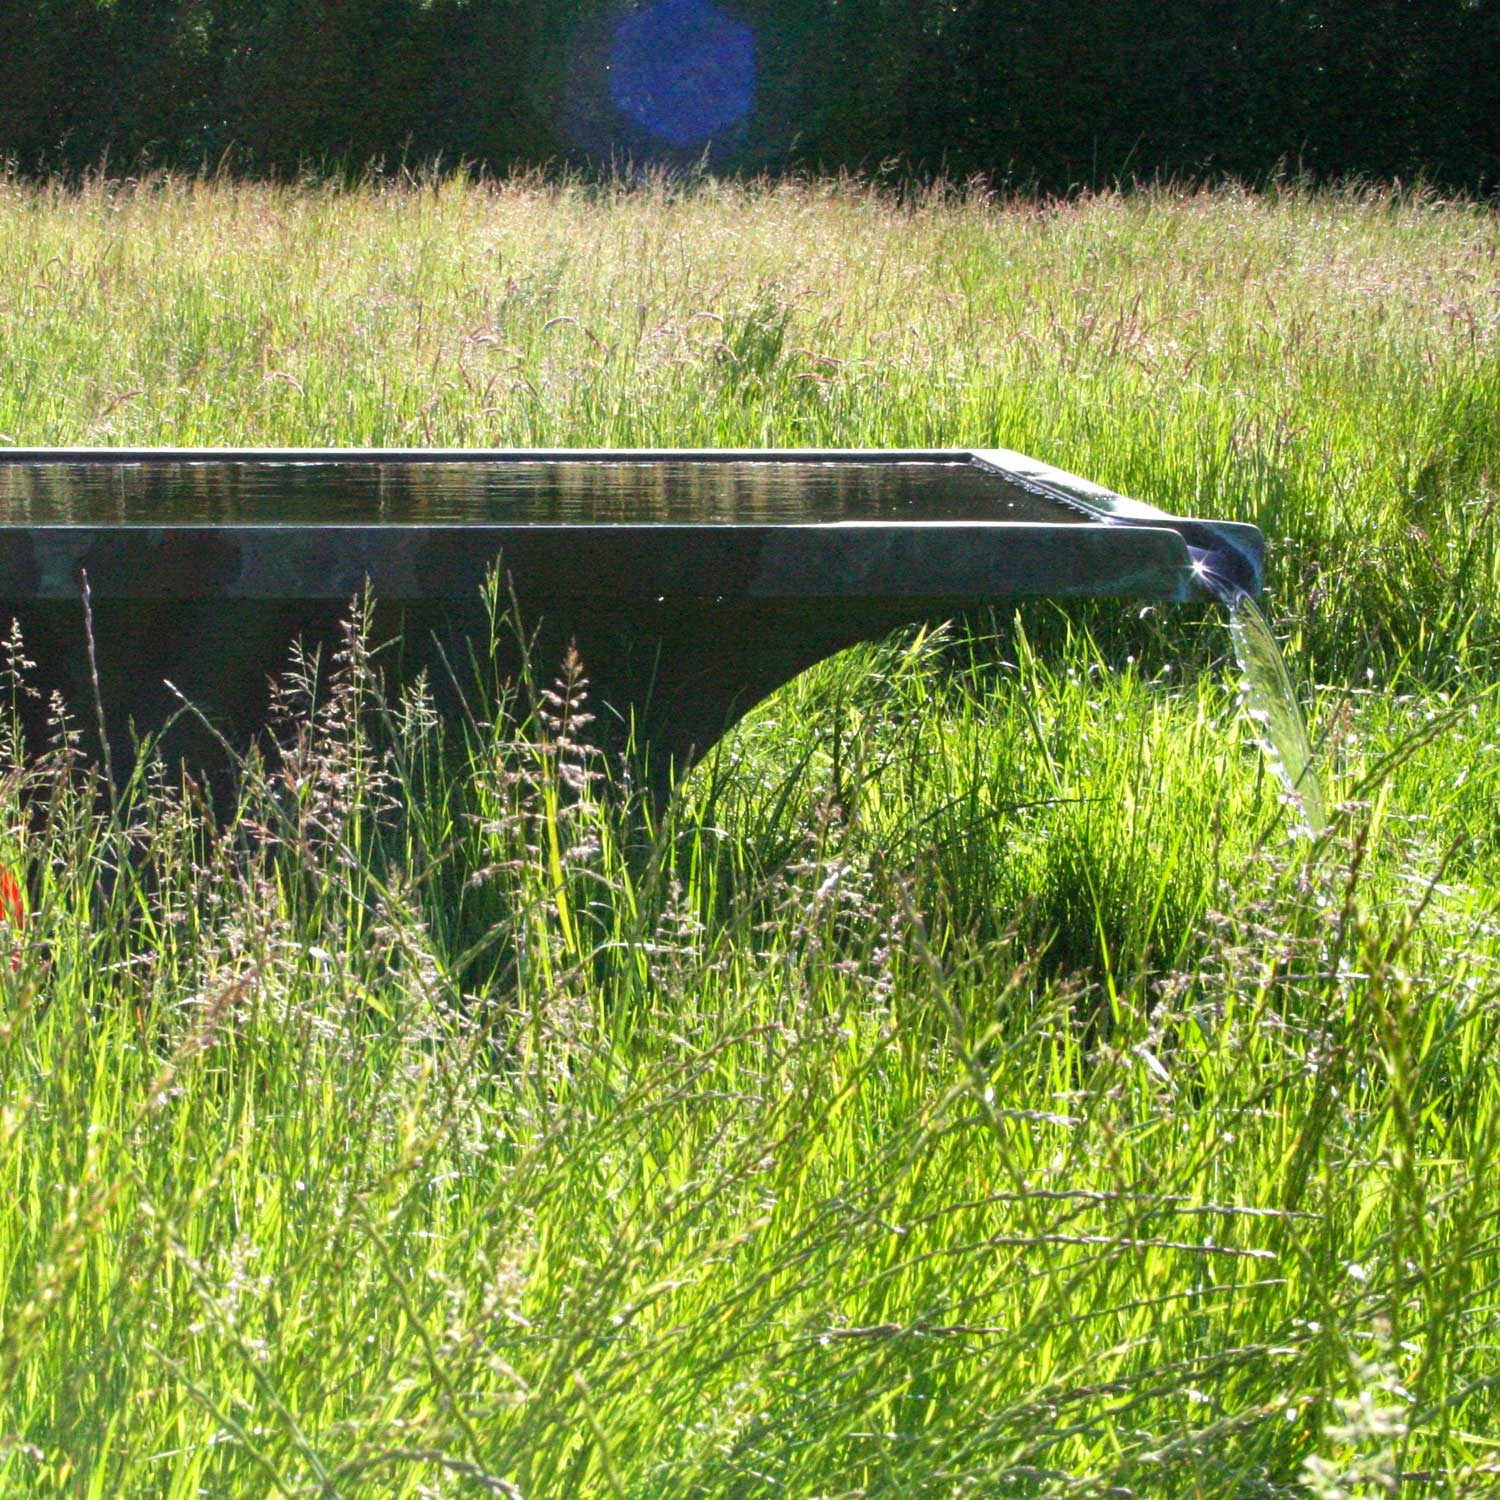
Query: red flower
{"type": "Point", "coordinates": [12, 908]}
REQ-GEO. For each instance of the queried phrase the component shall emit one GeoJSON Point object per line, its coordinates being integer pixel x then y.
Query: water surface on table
{"type": "Point", "coordinates": [511, 492]}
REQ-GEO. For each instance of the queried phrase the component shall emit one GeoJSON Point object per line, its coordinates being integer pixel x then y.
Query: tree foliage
{"type": "Point", "coordinates": [1042, 93]}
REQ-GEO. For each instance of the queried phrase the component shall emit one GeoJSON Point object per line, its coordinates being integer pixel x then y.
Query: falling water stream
{"type": "Point", "coordinates": [1271, 702]}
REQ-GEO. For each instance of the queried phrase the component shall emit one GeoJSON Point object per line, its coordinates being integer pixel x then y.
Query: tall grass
{"type": "Point", "coordinates": [966, 1086]}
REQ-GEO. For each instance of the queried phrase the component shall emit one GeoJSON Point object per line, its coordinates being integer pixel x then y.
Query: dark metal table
{"type": "Point", "coordinates": [692, 582]}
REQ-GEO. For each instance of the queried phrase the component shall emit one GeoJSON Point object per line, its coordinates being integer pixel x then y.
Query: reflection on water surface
{"type": "Point", "coordinates": [528, 492]}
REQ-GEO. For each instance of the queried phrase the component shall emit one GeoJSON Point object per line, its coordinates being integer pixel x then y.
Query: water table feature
{"type": "Point", "coordinates": [693, 583]}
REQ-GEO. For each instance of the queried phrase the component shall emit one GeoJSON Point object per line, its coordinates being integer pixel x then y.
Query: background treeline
{"type": "Point", "coordinates": [1040, 93]}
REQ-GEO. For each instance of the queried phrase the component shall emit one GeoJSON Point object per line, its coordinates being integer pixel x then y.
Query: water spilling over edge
{"type": "Point", "coordinates": [1271, 703]}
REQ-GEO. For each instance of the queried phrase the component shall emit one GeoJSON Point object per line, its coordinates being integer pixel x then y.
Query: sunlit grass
{"type": "Point", "coordinates": [971, 1087]}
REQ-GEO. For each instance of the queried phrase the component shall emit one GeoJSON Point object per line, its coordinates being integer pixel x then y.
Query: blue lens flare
{"type": "Point", "coordinates": [683, 70]}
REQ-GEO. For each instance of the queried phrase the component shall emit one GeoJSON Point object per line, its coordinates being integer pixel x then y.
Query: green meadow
{"type": "Point", "coordinates": [970, 1085]}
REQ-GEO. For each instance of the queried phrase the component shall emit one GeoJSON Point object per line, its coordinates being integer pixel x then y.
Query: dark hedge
{"type": "Point", "coordinates": [1041, 94]}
